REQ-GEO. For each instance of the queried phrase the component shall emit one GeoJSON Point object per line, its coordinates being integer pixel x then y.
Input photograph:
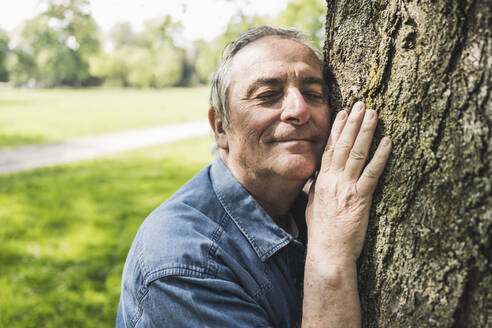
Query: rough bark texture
{"type": "Point", "coordinates": [426, 67]}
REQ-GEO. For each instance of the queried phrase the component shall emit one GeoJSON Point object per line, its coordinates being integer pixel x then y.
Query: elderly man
{"type": "Point", "coordinates": [241, 245]}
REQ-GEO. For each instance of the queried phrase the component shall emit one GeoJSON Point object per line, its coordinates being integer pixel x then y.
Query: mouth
{"type": "Point", "coordinates": [310, 140]}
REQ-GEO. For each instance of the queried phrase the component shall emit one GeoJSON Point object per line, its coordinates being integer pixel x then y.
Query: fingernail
{"type": "Point", "coordinates": [342, 115]}
{"type": "Point", "coordinates": [371, 113]}
{"type": "Point", "coordinates": [359, 106]}
{"type": "Point", "coordinates": [386, 141]}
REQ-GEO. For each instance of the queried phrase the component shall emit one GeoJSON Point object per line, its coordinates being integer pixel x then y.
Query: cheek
{"type": "Point", "coordinates": [245, 136]}
{"type": "Point", "coordinates": [325, 113]}
{"type": "Point", "coordinates": [256, 129]}
{"type": "Point", "coordinates": [323, 120]}
{"type": "Point", "coordinates": [244, 141]}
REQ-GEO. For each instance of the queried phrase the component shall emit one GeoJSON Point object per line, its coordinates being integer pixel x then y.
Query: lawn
{"type": "Point", "coordinates": [66, 231]}
{"type": "Point", "coordinates": [41, 116]}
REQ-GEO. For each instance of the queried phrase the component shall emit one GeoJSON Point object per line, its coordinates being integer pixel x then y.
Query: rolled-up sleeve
{"type": "Point", "coordinates": [178, 301]}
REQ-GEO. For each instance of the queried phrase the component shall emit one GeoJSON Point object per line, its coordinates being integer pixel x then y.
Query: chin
{"type": "Point", "coordinates": [299, 167]}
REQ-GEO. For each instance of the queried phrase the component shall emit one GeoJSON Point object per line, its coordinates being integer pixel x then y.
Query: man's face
{"type": "Point", "coordinates": [278, 114]}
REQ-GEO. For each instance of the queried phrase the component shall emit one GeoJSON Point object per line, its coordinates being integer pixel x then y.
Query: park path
{"type": "Point", "coordinates": [31, 157]}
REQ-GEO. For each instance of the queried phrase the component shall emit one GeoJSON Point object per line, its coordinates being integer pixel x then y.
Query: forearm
{"type": "Point", "coordinates": [331, 297]}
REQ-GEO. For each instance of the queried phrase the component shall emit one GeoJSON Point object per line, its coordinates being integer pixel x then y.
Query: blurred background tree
{"type": "Point", "coordinates": [146, 59]}
{"type": "Point", "coordinates": [54, 46]}
{"type": "Point", "coordinates": [4, 50]}
{"type": "Point", "coordinates": [209, 52]}
{"type": "Point", "coordinates": [306, 15]}
{"type": "Point", "coordinates": [62, 46]}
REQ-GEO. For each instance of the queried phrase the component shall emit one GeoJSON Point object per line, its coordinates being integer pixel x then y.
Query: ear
{"type": "Point", "coordinates": [216, 124]}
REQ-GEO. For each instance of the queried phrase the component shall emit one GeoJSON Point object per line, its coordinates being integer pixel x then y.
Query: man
{"type": "Point", "coordinates": [241, 245]}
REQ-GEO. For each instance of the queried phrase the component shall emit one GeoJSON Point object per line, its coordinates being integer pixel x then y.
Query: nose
{"type": "Point", "coordinates": [295, 110]}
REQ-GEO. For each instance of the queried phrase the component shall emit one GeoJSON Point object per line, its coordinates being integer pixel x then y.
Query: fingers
{"type": "Point", "coordinates": [346, 140]}
{"type": "Point", "coordinates": [358, 154]}
{"type": "Point", "coordinates": [370, 176]}
{"type": "Point", "coordinates": [348, 147]}
{"type": "Point", "coordinates": [336, 130]}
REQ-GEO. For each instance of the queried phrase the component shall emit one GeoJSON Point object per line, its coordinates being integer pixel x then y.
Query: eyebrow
{"type": "Point", "coordinates": [261, 82]}
{"type": "Point", "coordinates": [313, 80]}
{"type": "Point", "coordinates": [273, 81]}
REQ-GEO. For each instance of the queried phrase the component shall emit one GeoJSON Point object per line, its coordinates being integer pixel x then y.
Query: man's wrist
{"type": "Point", "coordinates": [332, 273]}
{"type": "Point", "coordinates": [330, 293]}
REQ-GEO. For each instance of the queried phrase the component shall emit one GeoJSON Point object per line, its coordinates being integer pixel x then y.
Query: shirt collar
{"type": "Point", "coordinates": [264, 235]}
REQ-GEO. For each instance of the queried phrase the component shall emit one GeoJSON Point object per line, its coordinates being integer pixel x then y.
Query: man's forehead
{"type": "Point", "coordinates": [272, 70]}
{"type": "Point", "coordinates": [275, 48]}
{"type": "Point", "coordinates": [275, 58]}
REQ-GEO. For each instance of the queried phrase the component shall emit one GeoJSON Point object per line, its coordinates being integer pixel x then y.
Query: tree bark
{"type": "Point", "coordinates": [425, 67]}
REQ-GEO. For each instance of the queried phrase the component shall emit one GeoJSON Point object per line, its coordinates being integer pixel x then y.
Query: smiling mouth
{"type": "Point", "coordinates": [296, 140]}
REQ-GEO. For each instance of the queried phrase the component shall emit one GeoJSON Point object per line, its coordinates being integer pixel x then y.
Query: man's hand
{"type": "Point", "coordinates": [340, 200]}
{"type": "Point", "coordinates": [337, 216]}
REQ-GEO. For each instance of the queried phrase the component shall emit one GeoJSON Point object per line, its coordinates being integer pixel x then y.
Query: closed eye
{"type": "Point", "coordinates": [269, 96]}
{"type": "Point", "coordinates": [313, 95]}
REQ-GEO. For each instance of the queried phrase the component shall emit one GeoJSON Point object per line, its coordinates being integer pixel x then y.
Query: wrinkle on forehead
{"type": "Point", "coordinates": [275, 51]}
{"type": "Point", "coordinates": [278, 42]}
{"type": "Point", "coordinates": [277, 71]}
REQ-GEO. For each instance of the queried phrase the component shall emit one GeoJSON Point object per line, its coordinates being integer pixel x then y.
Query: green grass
{"type": "Point", "coordinates": [40, 116]}
{"type": "Point", "coordinates": [66, 230]}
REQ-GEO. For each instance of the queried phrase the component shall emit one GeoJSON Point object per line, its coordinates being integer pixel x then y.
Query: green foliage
{"type": "Point", "coordinates": [209, 52]}
{"type": "Point", "coordinates": [66, 232]}
{"type": "Point", "coordinates": [148, 59]}
{"type": "Point", "coordinates": [55, 46]}
{"type": "Point", "coordinates": [61, 46]}
{"type": "Point", "coordinates": [21, 66]}
{"type": "Point", "coordinates": [122, 35]}
{"type": "Point", "coordinates": [306, 15]}
{"type": "Point", "coordinates": [207, 59]}
{"type": "Point", "coordinates": [157, 67]}
{"type": "Point", "coordinates": [160, 31]}
{"type": "Point", "coordinates": [112, 67]}
{"type": "Point", "coordinates": [4, 50]}
{"type": "Point", "coordinates": [34, 116]}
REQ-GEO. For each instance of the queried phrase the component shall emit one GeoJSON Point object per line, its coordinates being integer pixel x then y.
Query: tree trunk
{"type": "Point", "coordinates": [425, 67]}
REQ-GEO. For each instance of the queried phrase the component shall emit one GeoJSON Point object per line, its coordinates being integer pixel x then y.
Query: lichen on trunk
{"type": "Point", "coordinates": [425, 67]}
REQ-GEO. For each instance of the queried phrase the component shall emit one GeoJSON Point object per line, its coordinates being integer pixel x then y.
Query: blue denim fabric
{"type": "Point", "coordinates": [210, 256]}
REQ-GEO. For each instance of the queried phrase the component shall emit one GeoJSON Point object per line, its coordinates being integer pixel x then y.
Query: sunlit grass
{"type": "Point", "coordinates": [66, 231]}
{"type": "Point", "coordinates": [39, 116]}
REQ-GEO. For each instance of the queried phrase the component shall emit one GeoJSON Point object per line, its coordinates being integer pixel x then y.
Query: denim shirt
{"type": "Point", "coordinates": [210, 256]}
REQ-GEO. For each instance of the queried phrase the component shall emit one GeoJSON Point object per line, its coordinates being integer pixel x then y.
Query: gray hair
{"type": "Point", "coordinates": [221, 79]}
